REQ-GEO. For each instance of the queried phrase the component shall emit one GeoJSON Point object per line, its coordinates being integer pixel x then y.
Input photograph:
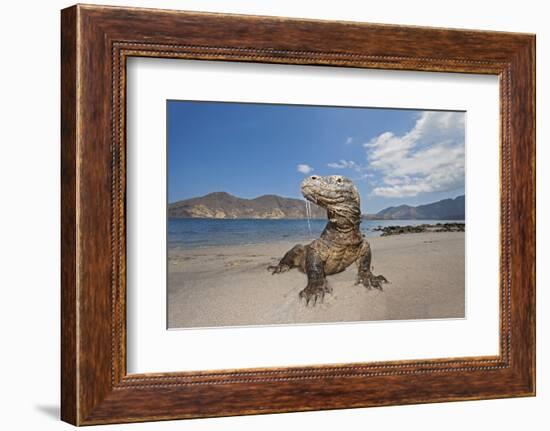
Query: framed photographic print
{"type": "Point", "coordinates": [265, 215]}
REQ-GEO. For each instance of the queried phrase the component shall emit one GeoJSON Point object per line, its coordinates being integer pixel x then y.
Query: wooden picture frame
{"type": "Point", "coordinates": [95, 43]}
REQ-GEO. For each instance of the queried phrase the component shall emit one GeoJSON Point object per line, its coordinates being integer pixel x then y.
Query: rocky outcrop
{"type": "Point", "coordinates": [438, 227]}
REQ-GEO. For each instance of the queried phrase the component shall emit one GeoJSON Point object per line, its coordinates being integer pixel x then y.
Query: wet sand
{"type": "Point", "coordinates": [230, 286]}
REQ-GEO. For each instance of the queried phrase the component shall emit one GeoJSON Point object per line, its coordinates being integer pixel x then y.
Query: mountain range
{"type": "Point", "coordinates": [446, 209]}
{"type": "Point", "coordinates": [222, 205]}
{"type": "Point", "coordinates": [225, 206]}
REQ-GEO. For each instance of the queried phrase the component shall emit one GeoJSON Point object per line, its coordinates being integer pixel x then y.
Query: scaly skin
{"type": "Point", "coordinates": [340, 244]}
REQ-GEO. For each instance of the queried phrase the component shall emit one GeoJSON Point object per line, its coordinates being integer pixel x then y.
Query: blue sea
{"type": "Point", "coordinates": [190, 233]}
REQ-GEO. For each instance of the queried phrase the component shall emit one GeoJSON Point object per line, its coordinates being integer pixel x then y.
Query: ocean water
{"type": "Point", "coordinates": [189, 233]}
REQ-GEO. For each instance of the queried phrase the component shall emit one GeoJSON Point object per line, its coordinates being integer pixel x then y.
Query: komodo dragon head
{"type": "Point", "coordinates": [338, 195]}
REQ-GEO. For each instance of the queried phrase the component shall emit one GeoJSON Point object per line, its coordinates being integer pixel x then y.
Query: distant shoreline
{"type": "Point", "coordinates": [199, 232]}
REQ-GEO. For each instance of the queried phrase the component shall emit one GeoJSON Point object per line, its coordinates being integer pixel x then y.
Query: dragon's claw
{"type": "Point", "coordinates": [277, 269]}
{"type": "Point", "coordinates": [314, 293]}
{"type": "Point", "coordinates": [369, 280]}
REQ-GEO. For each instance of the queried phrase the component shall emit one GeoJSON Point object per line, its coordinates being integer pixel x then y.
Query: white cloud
{"type": "Point", "coordinates": [304, 169]}
{"type": "Point", "coordinates": [427, 158]}
{"type": "Point", "coordinates": [343, 164]}
{"type": "Point", "coordinates": [360, 170]}
{"type": "Point", "coordinates": [349, 140]}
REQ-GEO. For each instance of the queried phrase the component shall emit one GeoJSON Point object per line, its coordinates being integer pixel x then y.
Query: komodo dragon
{"type": "Point", "coordinates": [340, 244]}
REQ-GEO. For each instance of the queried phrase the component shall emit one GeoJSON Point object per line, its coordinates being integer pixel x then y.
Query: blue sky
{"type": "Point", "coordinates": [394, 156]}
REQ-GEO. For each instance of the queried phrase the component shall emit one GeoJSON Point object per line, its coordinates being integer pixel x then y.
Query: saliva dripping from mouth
{"type": "Point", "coordinates": [308, 215]}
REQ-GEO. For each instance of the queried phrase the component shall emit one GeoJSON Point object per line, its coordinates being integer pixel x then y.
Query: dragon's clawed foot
{"type": "Point", "coordinates": [277, 269]}
{"type": "Point", "coordinates": [315, 292]}
{"type": "Point", "coordinates": [369, 280]}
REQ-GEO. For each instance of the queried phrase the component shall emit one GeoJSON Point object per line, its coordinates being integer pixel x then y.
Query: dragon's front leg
{"type": "Point", "coordinates": [294, 258]}
{"type": "Point", "coordinates": [317, 285]}
{"type": "Point", "coordinates": [365, 275]}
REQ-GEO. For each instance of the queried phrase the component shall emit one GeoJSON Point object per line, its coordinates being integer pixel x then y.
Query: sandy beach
{"type": "Point", "coordinates": [230, 286]}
